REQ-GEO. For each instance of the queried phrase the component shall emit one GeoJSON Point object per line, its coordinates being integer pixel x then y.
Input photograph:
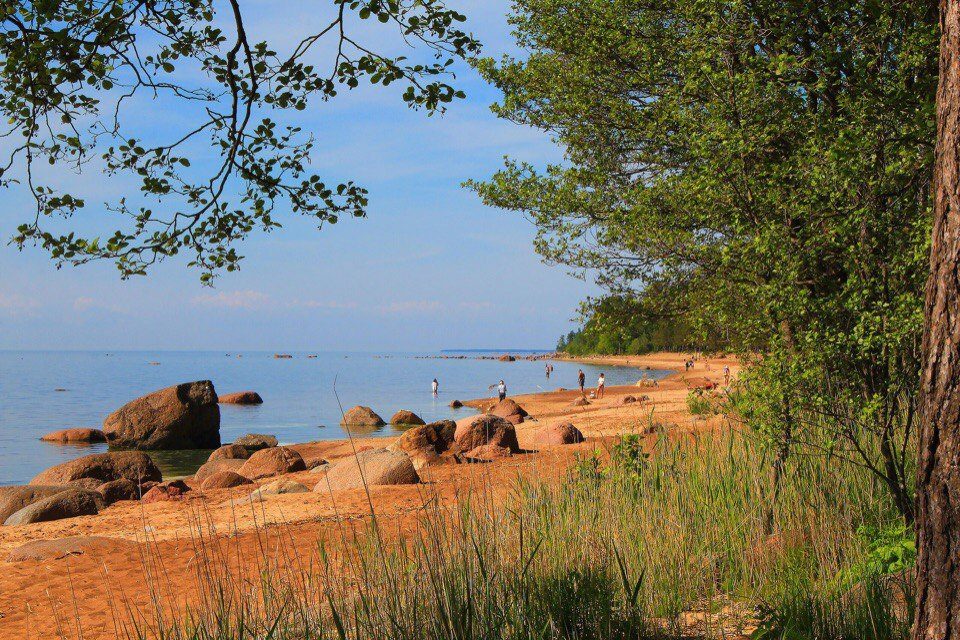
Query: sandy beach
{"type": "Point", "coordinates": [88, 595]}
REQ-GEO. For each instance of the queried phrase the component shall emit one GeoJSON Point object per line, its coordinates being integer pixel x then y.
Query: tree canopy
{"type": "Point", "coordinates": [764, 167]}
{"type": "Point", "coordinates": [70, 75]}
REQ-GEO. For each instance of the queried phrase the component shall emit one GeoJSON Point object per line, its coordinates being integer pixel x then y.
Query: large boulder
{"type": "Point", "coordinates": [379, 467]}
{"type": "Point", "coordinates": [216, 466]}
{"type": "Point", "coordinates": [256, 441]}
{"type": "Point", "coordinates": [403, 417]}
{"type": "Point", "coordinates": [241, 397]}
{"type": "Point", "coordinates": [14, 498]}
{"type": "Point", "coordinates": [186, 416]}
{"type": "Point", "coordinates": [224, 480]}
{"type": "Point", "coordinates": [272, 462]}
{"type": "Point", "coordinates": [424, 444]}
{"type": "Point", "coordinates": [477, 431]}
{"type": "Point", "coordinates": [122, 489]}
{"type": "Point", "coordinates": [235, 451]}
{"type": "Point", "coordinates": [361, 417]}
{"type": "Point", "coordinates": [132, 465]}
{"type": "Point", "coordinates": [76, 435]}
{"type": "Point", "coordinates": [65, 504]}
{"type": "Point", "coordinates": [37, 550]}
{"type": "Point", "coordinates": [559, 433]}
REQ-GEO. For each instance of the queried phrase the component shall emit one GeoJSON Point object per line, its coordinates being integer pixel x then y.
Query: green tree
{"type": "Point", "coordinates": [72, 71]}
{"type": "Point", "coordinates": [764, 170]}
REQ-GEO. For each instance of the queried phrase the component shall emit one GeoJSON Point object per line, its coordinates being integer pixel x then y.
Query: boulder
{"type": "Point", "coordinates": [216, 466]}
{"type": "Point", "coordinates": [76, 434]}
{"type": "Point", "coordinates": [229, 451]}
{"type": "Point", "coordinates": [224, 480]}
{"type": "Point", "coordinates": [14, 498]}
{"type": "Point", "coordinates": [241, 397]}
{"type": "Point", "coordinates": [456, 404]}
{"type": "Point", "coordinates": [406, 417]}
{"type": "Point", "coordinates": [379, 467]}
{"type": "Point", "coordinates": [186, 416]}
{"type": "Point", "coordinates": [165, 492]}
{"type": "Point", "coordinates": [508, 407]}
{"type": "Point", "coordinates": [361, 417]}
{"type": "Point", "coordinates": [122, 489]}
{"type": "Point", "coordinates": [256, 441]}
{"type": "Point", "coordinates": [424, 444]}
{"type": "Point", "coordinates": [279, 487]}
{"type": "Point", "coordinates": [313, 463]}
{"type": "Point", "coordinates": [37, 550]}
{"type": "Point", "coordinates": [477, 431]}
{"type": "Point", "coordinates": [580, 402]}
{"type": "Point", "coordinates": [65, 504]}
{"type": "Point", "coordinates": [559, 433]}
{"type": "Point", "coordinates": [132, 465]}
{"type": "Point", "coordinates": [489, 452]}
{"type": "Point", "coordinates": [272, 462]}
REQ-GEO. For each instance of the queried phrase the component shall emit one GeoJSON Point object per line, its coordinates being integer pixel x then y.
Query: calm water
{"type": "Point", "coordinates": [299, 401]}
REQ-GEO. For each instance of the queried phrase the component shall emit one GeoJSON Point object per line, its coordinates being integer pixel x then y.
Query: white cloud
{"type": "Point", "coordinates": [246, 299]}
{"type": "Point", "coordinates": [411, 306]}
{"type": "Point", "coordinates": [14, 304]}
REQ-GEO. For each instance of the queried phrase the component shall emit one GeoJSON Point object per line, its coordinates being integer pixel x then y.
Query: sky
{"type": "Point", "coordinates": [430, 267]}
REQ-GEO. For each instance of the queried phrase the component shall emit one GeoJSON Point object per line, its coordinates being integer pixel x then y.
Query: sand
{"type": "Point", "coordinates": [88, 595]}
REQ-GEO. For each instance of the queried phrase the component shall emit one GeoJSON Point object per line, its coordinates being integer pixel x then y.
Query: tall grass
{"type": "Point", "coordinates": [629, 546]}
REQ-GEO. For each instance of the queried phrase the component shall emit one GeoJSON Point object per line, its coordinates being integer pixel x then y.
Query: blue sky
{"type": "Point", "coordinates": [430, 268]}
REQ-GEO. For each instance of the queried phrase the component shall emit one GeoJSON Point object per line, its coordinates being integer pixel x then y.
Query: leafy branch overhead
{"type": "Point", "coordinates": [73, 71]}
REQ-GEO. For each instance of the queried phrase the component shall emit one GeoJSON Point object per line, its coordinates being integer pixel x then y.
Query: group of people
{"type": "Point", "coordinates": [502, 386]}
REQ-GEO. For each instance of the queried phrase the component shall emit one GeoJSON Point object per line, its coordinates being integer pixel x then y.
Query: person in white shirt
{"type": "Point", "coordinates": [436, 386]}
{"type": "Point", "coordinates": [502, 390]}
{"type": "Point", "coordinates": [600, 384]}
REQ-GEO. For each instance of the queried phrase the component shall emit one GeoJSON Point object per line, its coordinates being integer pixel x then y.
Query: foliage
{"type": "Point", "coordinates": [72, 71]}
{"type": "Point", "coordinates": [760, 170]}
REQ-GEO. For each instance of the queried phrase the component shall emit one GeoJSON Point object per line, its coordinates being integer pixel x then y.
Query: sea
{"type": "Point", "coordinates": [43, 391]}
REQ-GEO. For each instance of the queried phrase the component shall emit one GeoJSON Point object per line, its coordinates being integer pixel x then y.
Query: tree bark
{"type": "Point", "coordinates": [938, 473]}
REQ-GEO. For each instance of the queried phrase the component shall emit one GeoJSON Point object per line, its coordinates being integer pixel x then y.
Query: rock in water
{"type": "Point", "coordinates": [186, 416]}
{"type": "Point", "coordinates": [63, 547]}
{"type": "Point", "coordinates": [406, 417]}
{"type": "Point", "coordinates": [456, 404]}
{"type": "Point", "coordinates": [380, 467]}
{"type": "Point", "coordinates": [66, 504]}
{"type": "Point", "coordinates": [241, 397]}
{"type": "Point", "coordinates": [256, 441]}
{"type": "Point", "coordinates": [14, 498]}
{"type": "Point", "coordinates": [77, 434]}
{"type": "Point", "coordinates": [361, 417]}
{"type": "Point", "coordinates": [559, 433]}
{"type": "Point", "coordinates": [272, 462]}
{"type": "Point", "coordinates": [132, 465]}
{"type": "Point", "coordinates": [477, 431]}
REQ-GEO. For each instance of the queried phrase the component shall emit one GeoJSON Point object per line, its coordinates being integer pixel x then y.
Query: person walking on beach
{"type": "Point", "coordinates": [581, 380]}
{"type": "Point", "coordinates": [436, 386]}
{"type": "Point", "coordinates": [726, 374]}
{"type": "Point", "coordinates": [600, 384]}
{"type": "Point", "coordinates": [502, 390]}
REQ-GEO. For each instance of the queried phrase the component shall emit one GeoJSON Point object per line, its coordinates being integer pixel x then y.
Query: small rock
{"type": "Point", "coordinates": [456, 404]}
{"type": "Point", "coordinates": [117, 490]}
{"type": "Point", "coordinates": [559, 433]}
{"type": "Point", "coordinates": [241, 397]}
{"type": "Point", "coordinates": [224, 480]}
{"type": "Point", "coordinates": [580, 402]}
{"type": "Point", "coordinates": [216, 466]}
{"type": "Point", "coordinates": [165, 491]}
{"type": "Point", "coordinates": [403, 417]}
{"type": "Point", "coordinates": [279, 487]}
{"type": "Point", "coordinates": [256, 441]}
{"type": "Point", "coordinates": [76, 434]}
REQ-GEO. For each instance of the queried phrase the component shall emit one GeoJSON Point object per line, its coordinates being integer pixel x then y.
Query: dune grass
{"type": "Point", "coordinates": [631, 545]}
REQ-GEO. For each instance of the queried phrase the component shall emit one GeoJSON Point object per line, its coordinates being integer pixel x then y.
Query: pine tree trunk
{"type": "Point", "coordinates": [938, 474]}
